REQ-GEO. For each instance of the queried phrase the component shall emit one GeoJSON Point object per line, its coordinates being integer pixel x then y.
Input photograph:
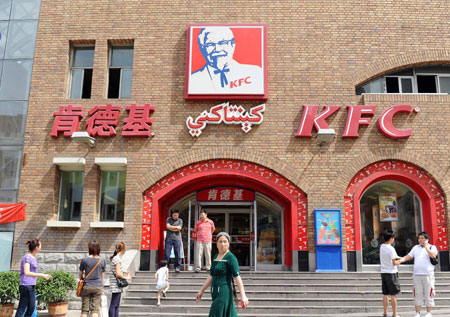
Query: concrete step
{"type": "Point", "coordinates": [280, 294]}
{"type": "Point", "coordinates": [175, 285]}
{"type": "Point", "coordinates": [336, 301]}
{"type": "Point", "coordinates": [268, 310]}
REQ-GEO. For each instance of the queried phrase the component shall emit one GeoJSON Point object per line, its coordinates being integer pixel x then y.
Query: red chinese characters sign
{"type": "Point", "coordinates": [12, 212]}
{"type": "Point", "coordinates": [225, 194]}
{"type": "Point", "coordinates": [103, 120]}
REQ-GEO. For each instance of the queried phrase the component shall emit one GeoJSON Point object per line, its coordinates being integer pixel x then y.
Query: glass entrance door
{"type": "Point", "coordinates": [238, 223]}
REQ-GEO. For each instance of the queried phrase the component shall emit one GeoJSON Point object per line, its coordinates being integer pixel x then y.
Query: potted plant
{"type": "Point", "coordinates": [9, 292]}
{"type": "Point", "coordinates": [55, 291]}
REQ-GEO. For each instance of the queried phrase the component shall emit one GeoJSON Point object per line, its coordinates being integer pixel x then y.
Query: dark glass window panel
{"type": "Point", "coordinates": [426, 84]}
{"type": "Point", "coordinates": [5, 9]}
{"type": "Point", "coordinates": [25, 9]}
{"type": "Point", "coordinates": [10, 159]}
{"type": "Point", "coordinates": [3, 37]}
{"type": "Point", "coordinates": [392, 85]}
{"type": "Point", "coordinates": [83, 57]}
{"type": "Point", "coordinates": [6, 243]}
{"type": "Point", "coordinates": [122, 56]}
{"type": "Point", "coordinates": [8, 196]}
{"type": "Point", "coordinates": [112, 200]}
{"type": "Point", "coordinates": [12, 122]}
{"type": "Point", "coordinates": [16, 78]}
{"type": "Point", "coordinates": [87, 84]}
{"type": "Point", "coordinates": [71, 195]}
{"type": "Point", "coordinates": [21, 39]}
{"type": "Point", "coordinates": [125, 87]}
{"type": "Point", "coordinates": [407, 87]}
{"type": "Point", "coordinates": [445, 85]}
{"type": "Point", "coordinates": [114, 83]}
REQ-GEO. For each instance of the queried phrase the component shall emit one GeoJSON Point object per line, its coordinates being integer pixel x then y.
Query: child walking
{"type": "Point", "coordinates": [162, 280]}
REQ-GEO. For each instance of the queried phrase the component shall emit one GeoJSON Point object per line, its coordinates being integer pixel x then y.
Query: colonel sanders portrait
{"type": "Point", "coordinates": [221, 74]}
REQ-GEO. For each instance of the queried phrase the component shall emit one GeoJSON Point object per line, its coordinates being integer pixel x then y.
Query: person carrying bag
{"type": "Point", "coordinates": [93, 268]}
{"type": "Point", "coordinates": [81, 281]}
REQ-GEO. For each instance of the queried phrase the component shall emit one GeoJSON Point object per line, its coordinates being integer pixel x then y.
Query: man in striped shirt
{"type": "Point", "coordinates": [204, 228]}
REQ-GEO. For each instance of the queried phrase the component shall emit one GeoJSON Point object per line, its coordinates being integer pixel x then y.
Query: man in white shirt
{"type": "Point", "coordinates": [390, 284]}
{"type": "Point", "coordinates": [221, 73]}
{"type": "Point", "coordinates": [423, 277]}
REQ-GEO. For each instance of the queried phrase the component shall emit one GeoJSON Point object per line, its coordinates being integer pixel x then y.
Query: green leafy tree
{"type": "Point", "coordinates": [9, 287]}
{"type": "Point", "coordinates": [57, 288]}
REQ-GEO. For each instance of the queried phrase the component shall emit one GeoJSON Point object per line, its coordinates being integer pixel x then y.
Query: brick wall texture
{"type": "Point", "coordinates": [318, 51]}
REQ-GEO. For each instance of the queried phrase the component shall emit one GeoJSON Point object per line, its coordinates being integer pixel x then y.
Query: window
{"type": "Point", "coordinates": [120, 71]}
{"type": "Point", "coordinates": [112, 196]}
{"type": "Point", "coordinates": [389, 205]}
{"type": "Point", "coordinates": [71, 195]}
{"type": "Point", "coordinates": [81, 72]}
{"type": "Point", "coordinates": [422, 80]}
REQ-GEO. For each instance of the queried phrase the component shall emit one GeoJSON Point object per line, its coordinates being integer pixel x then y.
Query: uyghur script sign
{"type": "Point", "coordinates": [228, 114]}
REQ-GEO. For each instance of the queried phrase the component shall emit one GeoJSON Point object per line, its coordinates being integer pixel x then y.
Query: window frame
{"type": "Point", "coordinates": [437, 74]}
{"type": "Point", "coordinates": [60, 193]}
{"type": "Point", "coordinates": [72, 68]}
{"type": "Point", "coordinates": [400, 86]}
{"type": "Point", "coordinates": [122, 68]}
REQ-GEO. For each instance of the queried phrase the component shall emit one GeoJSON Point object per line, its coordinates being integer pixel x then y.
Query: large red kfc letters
{"type": "Point", "coordinates": [357, 115]}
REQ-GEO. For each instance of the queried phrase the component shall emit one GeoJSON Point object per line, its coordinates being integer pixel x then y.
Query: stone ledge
{"type": "Point", "coordinates": [107, 224]}
{"type": "Point", "coordinates": [64, 224]}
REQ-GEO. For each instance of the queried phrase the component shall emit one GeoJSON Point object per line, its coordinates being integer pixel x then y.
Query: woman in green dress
{"type": "Point", "coordinates": [224, 270]}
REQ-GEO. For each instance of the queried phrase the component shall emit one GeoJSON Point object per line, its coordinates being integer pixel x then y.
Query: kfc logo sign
{"type": "Point", "coordinates": [103, 121]}
{"type": "Point", "coordinates": [226, 62]}
{"type": "Point", "coordinates": [357, 116]}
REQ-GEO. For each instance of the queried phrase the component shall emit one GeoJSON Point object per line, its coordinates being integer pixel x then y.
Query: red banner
{"type": "Point", "coordinates": [12, 212]}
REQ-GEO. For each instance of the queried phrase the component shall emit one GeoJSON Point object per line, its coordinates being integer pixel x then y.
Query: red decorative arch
{"type": "Point", "coordinates": [225, 173]}
{"type": "Point", "coordinates": [433, 203]}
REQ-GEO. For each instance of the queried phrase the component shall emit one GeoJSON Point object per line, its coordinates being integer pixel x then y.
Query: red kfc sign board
{"type": "Point", "coordinates": [357, 116]}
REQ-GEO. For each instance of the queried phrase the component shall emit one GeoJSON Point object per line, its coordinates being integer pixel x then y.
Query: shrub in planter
{"type": "Point", "coordinates": [9, 292]}
{"type": "Point", "coordinates": [57, 288]}
{"type": "Point", "coordinates": [9, 287]}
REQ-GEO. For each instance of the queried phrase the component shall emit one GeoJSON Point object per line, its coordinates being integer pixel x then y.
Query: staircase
{"type": "Point", "coordinates": [282, 294]}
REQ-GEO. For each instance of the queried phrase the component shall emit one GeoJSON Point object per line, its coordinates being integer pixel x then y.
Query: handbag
{"type": "Point", "coordinates": [434, 261]}
{"type": "Point", "coordinates": [81, 282]}
{"type": "Point", "coordinates": [121, 283]}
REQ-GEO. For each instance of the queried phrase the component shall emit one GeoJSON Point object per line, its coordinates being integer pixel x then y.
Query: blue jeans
{"type": "Point", "coordinates": [114, 306]}
{"type": "Point", "coordinates": [27, 301]}
{"type": "Point", "coordinates": [176, 244]}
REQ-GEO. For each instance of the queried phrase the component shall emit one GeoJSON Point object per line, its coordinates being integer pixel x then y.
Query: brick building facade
{"type": "Point", "coordinates": [318, 54]}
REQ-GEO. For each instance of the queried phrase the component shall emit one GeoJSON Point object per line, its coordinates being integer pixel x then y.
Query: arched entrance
{"type": "Point", "coordinates": [429, 195]}
{"type": "Point", "coordinates": [216, 173]}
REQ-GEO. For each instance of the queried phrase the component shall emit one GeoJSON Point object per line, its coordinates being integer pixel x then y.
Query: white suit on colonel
{"type": "Point", "coordinates": [234, 79]}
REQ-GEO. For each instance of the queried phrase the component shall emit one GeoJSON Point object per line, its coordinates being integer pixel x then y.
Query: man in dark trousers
{"type": "Point", "coordinates": [173, 238]}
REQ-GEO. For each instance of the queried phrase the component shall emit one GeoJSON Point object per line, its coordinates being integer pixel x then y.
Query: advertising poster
{"type": "Point", "coordinates": [388, 207]}
{"type": "Point", "coordinates": [225, 61]}
{"type": "Point", "coordinates": [328, 227]}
